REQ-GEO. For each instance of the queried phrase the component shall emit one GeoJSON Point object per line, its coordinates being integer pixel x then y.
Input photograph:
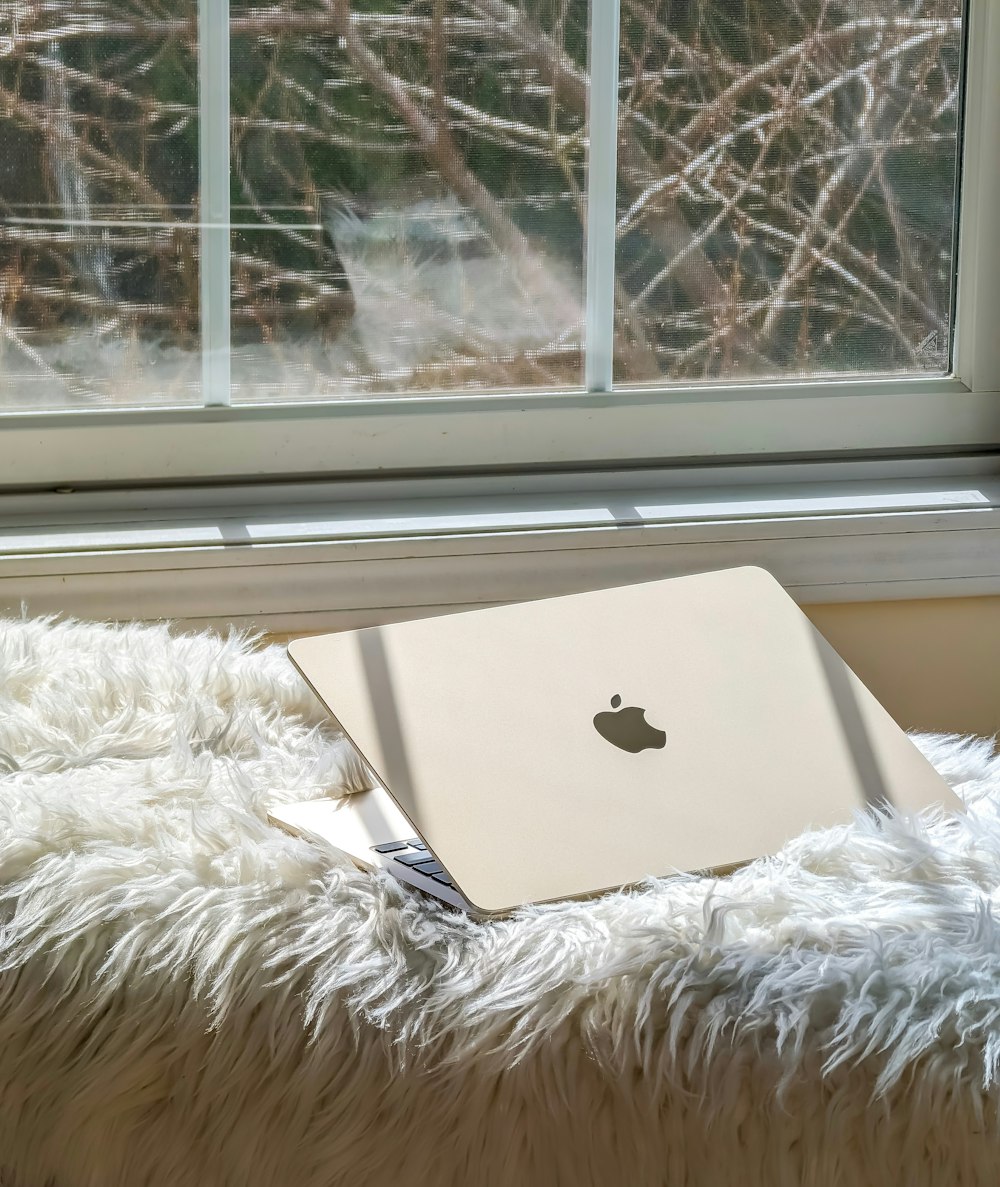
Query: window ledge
{"type": "Point", "coordinates": [318, 556]}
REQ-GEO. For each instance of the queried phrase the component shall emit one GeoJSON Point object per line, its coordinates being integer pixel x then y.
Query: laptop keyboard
{"type": "Point", "coordinates": [413, 854]}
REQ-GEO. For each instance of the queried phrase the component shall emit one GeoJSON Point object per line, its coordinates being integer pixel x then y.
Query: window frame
{"type": "Point", "coordinates": [330, 555]}
{"type": "Point", "coordinates": [460, 432]}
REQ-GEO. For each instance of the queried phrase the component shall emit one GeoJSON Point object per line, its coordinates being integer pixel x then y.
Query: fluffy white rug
{"type": "Point", "coordinates": [190, 997]}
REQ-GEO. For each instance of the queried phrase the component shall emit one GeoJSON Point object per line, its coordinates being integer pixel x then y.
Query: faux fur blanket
{"type": "Point", "coordinates": [189, 997]}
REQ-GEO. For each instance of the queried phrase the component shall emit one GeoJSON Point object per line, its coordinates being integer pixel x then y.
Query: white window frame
{"type": "Point", "coordinates": [627, 427]}
{"type": "Point", "coordinates": [325, 515]}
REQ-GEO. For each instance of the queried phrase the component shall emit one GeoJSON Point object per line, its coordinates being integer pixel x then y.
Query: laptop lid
{"type": "Point", "coordinates": [561, 747]}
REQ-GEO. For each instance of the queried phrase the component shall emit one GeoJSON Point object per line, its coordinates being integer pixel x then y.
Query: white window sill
{"type": "Point", "coordinates": [320, 556]}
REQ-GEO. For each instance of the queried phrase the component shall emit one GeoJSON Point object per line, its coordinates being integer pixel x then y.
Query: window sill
{"type": "Point", "coordinates": [320, 556]}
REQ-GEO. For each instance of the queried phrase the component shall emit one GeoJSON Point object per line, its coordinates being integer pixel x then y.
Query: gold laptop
{"type": "Point", "coordinates": [564, 747]}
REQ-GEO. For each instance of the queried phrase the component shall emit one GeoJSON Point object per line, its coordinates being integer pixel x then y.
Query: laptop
{"type": "Point", "coordinates": [574, 745]}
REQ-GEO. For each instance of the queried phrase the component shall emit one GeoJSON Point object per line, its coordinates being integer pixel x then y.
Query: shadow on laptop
{"type": "Point", "coordinates": [852, 723]}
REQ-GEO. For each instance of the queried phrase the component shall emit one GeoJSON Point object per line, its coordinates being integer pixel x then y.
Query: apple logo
{"type": "Point", "coordinates": [628, 728]}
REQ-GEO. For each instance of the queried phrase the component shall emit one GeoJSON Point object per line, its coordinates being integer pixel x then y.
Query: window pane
{"type": "Point", "coordinates": [407, 196]}
{"type": "Point", "coordinates": [787, 187]}
{"type": "Point", "coordinates": [98, 183]}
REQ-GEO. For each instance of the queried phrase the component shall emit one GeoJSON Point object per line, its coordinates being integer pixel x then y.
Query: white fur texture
{"type": "Point", "coordinates": [190, 998]}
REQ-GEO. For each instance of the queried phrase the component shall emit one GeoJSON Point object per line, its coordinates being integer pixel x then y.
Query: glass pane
{"type": "Point", "coordinates": [407, 196]}
{"type": "Point", "coordinates": [98, 182]}
{"type": "Point", "coordinates": [787, 187]}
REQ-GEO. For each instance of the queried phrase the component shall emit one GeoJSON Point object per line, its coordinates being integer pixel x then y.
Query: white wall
{"type": "Point", "coordinates": [934, 664]}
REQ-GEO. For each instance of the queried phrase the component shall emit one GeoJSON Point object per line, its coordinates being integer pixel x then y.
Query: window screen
{"type": "Point", "coordinates": [409, 207]}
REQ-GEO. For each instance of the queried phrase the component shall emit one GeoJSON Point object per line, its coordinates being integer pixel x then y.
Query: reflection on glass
{"type": "Point", "coordinates": [787, 190]}
{"type": "Point", "coordinates": [407, 197]}
{"type": "Point", "coordinates": [98, 191]}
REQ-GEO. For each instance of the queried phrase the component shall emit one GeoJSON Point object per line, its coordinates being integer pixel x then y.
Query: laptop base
{"type": "Point", "coordinates": [359, 825]}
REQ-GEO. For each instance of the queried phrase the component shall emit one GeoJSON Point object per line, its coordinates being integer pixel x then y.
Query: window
{"type": "Point", "coordinates": [788, 194]}
{"type": "Point", "coordinates": [346, 235]}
